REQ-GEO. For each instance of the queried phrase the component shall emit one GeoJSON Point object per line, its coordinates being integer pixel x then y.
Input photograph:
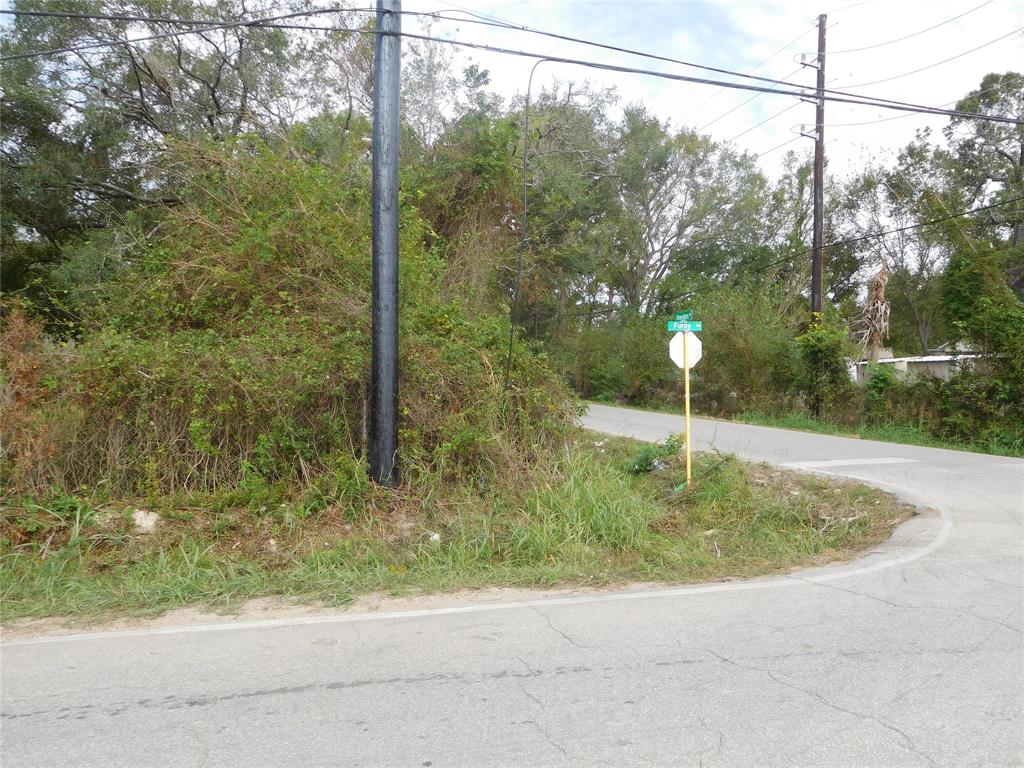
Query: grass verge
{"type": "Point", "coordinates": [602, 511]}
{"type": "Point", "coordinates": [889, 433]}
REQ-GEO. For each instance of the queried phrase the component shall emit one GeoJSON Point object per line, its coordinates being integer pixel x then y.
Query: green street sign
{"type": "Point", "coordinates": [684, 317]}
{"type": "Point", "coordinates": [694, 325]}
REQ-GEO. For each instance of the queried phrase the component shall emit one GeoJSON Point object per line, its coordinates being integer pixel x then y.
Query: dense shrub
{"type": "Point", "coordinates": [751, 360]}
{"type": "Point", "coordinates": [623, 359]}
{"type": "Point", "coordinates": [235, 348]}
{"type": "Point", "coordinates": [986, 401]}
{"type": "Point", "coordinates": [828, 389]}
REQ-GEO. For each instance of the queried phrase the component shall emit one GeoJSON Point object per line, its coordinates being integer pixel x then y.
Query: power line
{"type": "Point", "coordinates": [937, 63]}
{"type": "Point", "coordinates": [766, 120]}
{"type": "Point", "coordinates": [436, 14]}
{"type": "Point", "coordinates": [787, 142]}
{"type": "Point", "coordinates": [912, 34]}
{"type": "Point", "coordinates": [848, 7]}
{"type": "Point", "coordinates": [784, 78]}
{"type": "Point", "coordinates": [901, 117]}
{"type": "Point", "coordinates": [162, 19]}
{"type": "Point", "coordinates": [741, 104]}
{"type": "Point", "coordinates": [928, 223]}
{"type": "Point", "coordinates": [837, 96]}
{"type": "Point", "coordinates": [739, 75]}
{"type": "Point", "coordinates": [832, 94]}
{"type": "Point", "coordinates": [749, 72]}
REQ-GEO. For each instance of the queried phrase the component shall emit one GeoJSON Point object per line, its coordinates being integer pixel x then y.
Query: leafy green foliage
{"type": "Point", "coordinates": [84, 131]}
{"type": "Point", "coordinates": [235, 350]}
{"type": "Point", "coordinates": [649, 455]}
{"type": "Point", "coordinates": [987, 398]}
{"type": "Point", "coordinates": [825, 378]}
{"type": "Point", "coordinates": [751, 361]}
{"type": "Point", "coordinates": [623, 359]}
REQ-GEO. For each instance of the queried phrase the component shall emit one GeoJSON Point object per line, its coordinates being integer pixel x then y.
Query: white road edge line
{"type": "Point", "coordinates": [792, 580]}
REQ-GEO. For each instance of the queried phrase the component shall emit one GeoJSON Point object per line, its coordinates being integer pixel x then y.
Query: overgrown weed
{"type": "Point", "coordinates": [582, 517]}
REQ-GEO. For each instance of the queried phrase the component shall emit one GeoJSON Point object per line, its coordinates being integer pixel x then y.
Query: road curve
{"type": "Point", "coordinates": [911, 656]}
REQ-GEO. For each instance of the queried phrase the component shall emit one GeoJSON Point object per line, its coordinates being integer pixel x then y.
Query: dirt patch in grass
{"type": "Point", "coordinates": [605, 511]}
{"type": "Point", "coordinates": [274, 609]}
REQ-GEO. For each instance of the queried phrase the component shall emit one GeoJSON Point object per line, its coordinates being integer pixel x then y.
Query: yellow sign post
{"type": "Point", "coordinates": [686, 398]}
{"type": "Point", "coordinates": [686, 351]}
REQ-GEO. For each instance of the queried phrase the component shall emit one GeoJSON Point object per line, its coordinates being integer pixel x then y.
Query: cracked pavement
{"type": "Point", "coordinates": [910, 656]}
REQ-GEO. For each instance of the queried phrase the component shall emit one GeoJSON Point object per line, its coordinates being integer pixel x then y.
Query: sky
{"type": "Point", "coordinates": [874, 48]}
{"type": "Point", "coordinates": [766, 39]}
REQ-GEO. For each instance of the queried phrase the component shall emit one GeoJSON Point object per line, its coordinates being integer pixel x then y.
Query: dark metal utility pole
{"type": "Point", "coordinates": [817, 269]}
{"type": "Point", "coordinates": [384, 375]}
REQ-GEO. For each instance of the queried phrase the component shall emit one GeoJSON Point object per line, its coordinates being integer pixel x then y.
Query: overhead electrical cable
{"type": "Point", "coordinates": [739, 75]}
{"type": "Point", "coordinates": [912, 34]}
{"type": "Point", "coordinates": [766, 120]}
{"type": "Point", "coordinates": [174, 19]}
{"type": "Point", "coordinates": [930, 222]}
{"type": "Point", "coordinates": [741, 104]}
{"type": "Point", "coordinates": [802, 92]}
{"type": "Point", "coordinates": [213, 27]}
{"type": "Point", "coordinates": [502, 24]}
{"type": "Point", "coordinates": [937, 63]}
{"type": "Point", "coordinates": [848, 7]}
{"type": "Point", "coordinates": [786, 143]}
{"type": "Point", "coordinates": [750, 71]}
{"type": "Point", "coordinates": [901, 117]}
{"type": "Point", "coordinates": [480, 46]}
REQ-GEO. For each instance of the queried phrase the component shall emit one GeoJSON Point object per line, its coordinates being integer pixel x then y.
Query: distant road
{"type": "Point", "coordinates": [911, 656]}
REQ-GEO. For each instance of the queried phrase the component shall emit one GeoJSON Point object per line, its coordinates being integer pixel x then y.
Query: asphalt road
{"type": "Point", "coordinates": [911, 656]}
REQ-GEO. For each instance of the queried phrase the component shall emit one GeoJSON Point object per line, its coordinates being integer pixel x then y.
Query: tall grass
{"type": "Point", "coordinates": [586, 517]}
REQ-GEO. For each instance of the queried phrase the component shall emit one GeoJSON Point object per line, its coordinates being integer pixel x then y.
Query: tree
{"type": "Point", "coordinates": [571, 203]}
{"type": "Point", "coordinates": [990, 158]}
{"type": "Point", "coordinates": [902, 197]}
{"type": "Point", "coordinates": [685, 205]}
{"type": "Point", "coordinates": [83, 130]}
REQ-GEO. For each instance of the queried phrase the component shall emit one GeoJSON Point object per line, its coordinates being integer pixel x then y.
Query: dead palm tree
{"type": "Point", "coordinates": [873, 325]}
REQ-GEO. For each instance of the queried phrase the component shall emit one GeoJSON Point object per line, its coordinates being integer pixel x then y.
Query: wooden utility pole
{"type": "Point", "coordinates": [384, 316]}
{"type": "Point", "coordinates": [817, 269]}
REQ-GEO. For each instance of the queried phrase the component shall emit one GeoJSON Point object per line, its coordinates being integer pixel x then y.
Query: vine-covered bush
{"type": "Point", "coordinates": [235, 348]}
{"type": "Point", "coordinates": [751, 362]}
{"type": "Point", "coordinates": [825, 350]}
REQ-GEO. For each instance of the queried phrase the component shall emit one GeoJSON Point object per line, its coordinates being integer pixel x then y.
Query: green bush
{"type": "Point", "coordinates": [648, 455]}
{"type": "Point", "coordinates": [598, 370]}
{"type": "Point", "coordinates": [883, 381]}
{"type": "Point", "coordinates": [234, 352]}
{"type": "Point", "coordinates": [751, 361]}
{"type": "Point", "coordinates": [624, 359]}
{"type": "Point", "coordinates": [828, 390]}
{"type": "Point", "coordinates": [985, 402]}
